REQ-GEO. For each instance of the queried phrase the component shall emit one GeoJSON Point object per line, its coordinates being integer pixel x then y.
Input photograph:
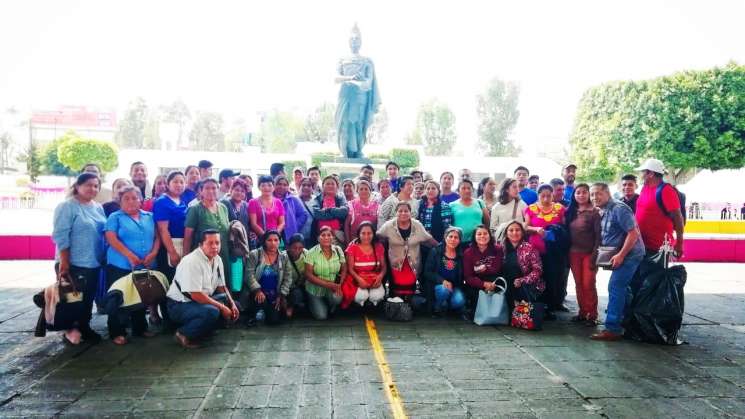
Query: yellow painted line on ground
{"type": "Point", "coordinates": [391, 391]}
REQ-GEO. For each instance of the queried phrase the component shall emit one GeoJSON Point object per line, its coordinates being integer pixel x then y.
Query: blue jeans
{"type": "Point", "coordinates": [617, 292]}
{"type": "Point", "coordinates": [445, 298]}
{"type": "Point", "coordinates": [197, 320]}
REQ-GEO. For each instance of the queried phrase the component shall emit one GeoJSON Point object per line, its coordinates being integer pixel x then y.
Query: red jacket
{"type": "Point", "coordinates": [492, 258]}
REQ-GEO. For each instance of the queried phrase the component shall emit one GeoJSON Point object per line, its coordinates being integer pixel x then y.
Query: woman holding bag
{"type": "Point", "coordinates": [482, 262]}
{"type": "Point", "coordinates": [133, 244]}
{"type": "Point", "coordinates": [521, 268]}
{"type": "Point", "coordinates": [78, 226]}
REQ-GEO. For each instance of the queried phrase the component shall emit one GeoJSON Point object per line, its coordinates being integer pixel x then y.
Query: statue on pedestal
{"type": "Point", "coordinates": [358, 99]}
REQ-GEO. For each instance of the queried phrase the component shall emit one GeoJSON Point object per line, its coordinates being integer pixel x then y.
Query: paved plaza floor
{"type": "Point", "coordinates": [438, 367]}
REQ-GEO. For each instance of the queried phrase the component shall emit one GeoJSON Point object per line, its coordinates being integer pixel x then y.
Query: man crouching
{"type": "Point", "coordinates": [197, 297]}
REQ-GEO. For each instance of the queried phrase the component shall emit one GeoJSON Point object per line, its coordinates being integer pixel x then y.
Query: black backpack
{"type": "Point", "coordinates": [681, 198]}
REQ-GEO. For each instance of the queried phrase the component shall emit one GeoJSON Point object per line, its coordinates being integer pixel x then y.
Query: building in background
{"type": "Point", "coordinates": [46, 125]}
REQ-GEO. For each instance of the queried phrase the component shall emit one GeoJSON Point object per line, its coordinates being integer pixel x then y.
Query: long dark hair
{"type": "Point", "coordinates": [373, 243]}
{"type": "Point", "coordinates": [488, 230]}
{"type": "Point", "coordinates": [482, 186]}
{"type": "Point", "coordinates": [504, 191]}
{"type": "Point", "coordinates": [573, 209]}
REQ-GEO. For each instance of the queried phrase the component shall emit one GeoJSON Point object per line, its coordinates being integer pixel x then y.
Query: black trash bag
{"type": "Point", "coordinates": [656, 311]}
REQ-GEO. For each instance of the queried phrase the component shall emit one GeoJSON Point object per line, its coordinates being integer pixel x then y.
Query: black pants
{"type": "Point", "coordinates": [117, 322]}
{"type": "Point", "coordinates": [271, 315]}
{"type": "Point", "coordinates": [163, 266]}
{"type": "Point", "coordinates": [87, 280]}
{"type": "Point", "coordinates": [555, 275]}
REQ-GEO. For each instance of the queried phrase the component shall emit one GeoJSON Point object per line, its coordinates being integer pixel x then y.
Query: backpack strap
{"type": "Point", "coordinates": [658, 198]}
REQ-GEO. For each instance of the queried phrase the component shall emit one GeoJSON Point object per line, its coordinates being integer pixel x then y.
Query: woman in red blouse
{"type": "Point", "coordinates": [366, 268]}
{"type": "Point", "coordinates": [482, 263]}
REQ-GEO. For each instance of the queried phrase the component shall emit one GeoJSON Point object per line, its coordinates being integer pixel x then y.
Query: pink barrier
{"type": "Point", "coordinates": [714, 250]}
{"type": "Point", "coordinates": [704, 249]}
{"type": "Point", "coordinates": [26, 247]}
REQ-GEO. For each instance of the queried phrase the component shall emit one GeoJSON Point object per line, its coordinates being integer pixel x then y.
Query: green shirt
{"type": "Point", "coordinates": [326, 269]}
{"type": "Point", "coordinates": [467, 217]}
{"type": "Point", "coordinates": [298, 272]}
{"type": "Point", "coordinates": [199, 218]}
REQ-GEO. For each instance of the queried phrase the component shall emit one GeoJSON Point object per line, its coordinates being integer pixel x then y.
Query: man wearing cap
{"type": "Point", "coordinates": [226, 178]}
{"type": "Point", "coordinates": [569, 173]}
{"type": "Point", "coordinates": [205, 169]}
{"type": "Point", "coordinates": [654, 222]}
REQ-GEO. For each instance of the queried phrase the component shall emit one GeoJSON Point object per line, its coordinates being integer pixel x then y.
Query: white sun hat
{"type": "Point", "coordinates": [653, 165]}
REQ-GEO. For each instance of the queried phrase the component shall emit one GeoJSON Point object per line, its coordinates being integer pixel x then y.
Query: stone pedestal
{"type": "Point", "coordinates": [348, 168]}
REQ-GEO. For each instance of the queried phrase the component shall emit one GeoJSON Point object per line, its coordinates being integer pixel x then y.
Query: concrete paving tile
{"type": "Point", "coordinates": [284, 396]}
{"type": "Point", "coordinates": [100, 407]}
{"type": "Point", "coordinates": [415, 410]}
{"type": "Point", "coordinates": [176, 392]}
{"type": "Point", "coordinates": [497, 407]}
{"type": "Point", "coordinates": [232, 376]}
{"type": "Point", "coordinates": [220, 398]}
{"type": "Point", "coordinates": [214, 414]}
{"type": "Point", "coordinates": [260, 376]}
{"type": "Point", "coordinates": [121, 393]}
{"type": "Point", "coordinates": [31, 408]}
{"type": "Point", "coordinates": [254, 397]}
{"type": "Point", "coordinates": [162, 404]}
{"type": "Point", "coordinates": [315, 411]}
{"type": "Point", "coordinates": [315, 395]}
{"type": "Point", "coordinates": [317, 374]}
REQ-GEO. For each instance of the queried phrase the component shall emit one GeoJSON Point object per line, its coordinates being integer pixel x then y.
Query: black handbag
{"type": "Point", "coordinates": [149, 287]}
{"type": "Point", "coordinates": [605, 254]}
{"type": "Point", "coordinates": [399, 311]}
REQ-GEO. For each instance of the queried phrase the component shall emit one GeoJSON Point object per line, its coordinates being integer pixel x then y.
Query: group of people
{"type": "Point", "coordinates": [311, 244]}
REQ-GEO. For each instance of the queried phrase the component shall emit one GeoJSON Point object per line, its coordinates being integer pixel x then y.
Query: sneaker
{"type": "Point", "coordinates": [606, 335]}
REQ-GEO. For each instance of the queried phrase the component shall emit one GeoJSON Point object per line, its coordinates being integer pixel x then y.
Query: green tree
{"type": "Point", "coordinates": [319, 125]}
{"type": "Point", "coordinates": [238, 135]}
{"type": "Point", "coordinates": [177, 113]}
{"type": "Point", "coordinates": [407, 159]}
{"type": "Point", "coordinates": [497, 109]}
{"type": "Point", "coordinates": [207, 133]}
{"type": "Point", "coordinates": [131, 132]}
{"type": "Point", "coordinates": [75, 152]}
{"type": "Point", "coordinates": [690, 120]}
{"type": "Point", "coordinates": [151, 133]}
{"type": "Point", "coordinates": [6, 150]}
{"type": "Point", "coordinates": [49, 158]}
{"type": "Point", "coordinates": [280, 132]}
{"type": "Point", "coordinates": [435, 126]}
{"type": "Point", "coordinates": [31, 157]}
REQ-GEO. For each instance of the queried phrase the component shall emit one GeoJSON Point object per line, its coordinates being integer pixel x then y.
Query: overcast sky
{"type": "Point", "coordinates": [243, 57]}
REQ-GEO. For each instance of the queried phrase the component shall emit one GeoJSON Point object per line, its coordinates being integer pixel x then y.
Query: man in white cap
{"type": "Point", "coordinates": [658, 209]}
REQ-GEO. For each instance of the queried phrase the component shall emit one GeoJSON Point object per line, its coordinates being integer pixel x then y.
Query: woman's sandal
{"type": "Point", "coordinates": [119, 340]}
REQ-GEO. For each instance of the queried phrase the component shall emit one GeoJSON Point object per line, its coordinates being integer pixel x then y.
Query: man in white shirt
{"type": "Point", "coordinates": [198, 297]}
